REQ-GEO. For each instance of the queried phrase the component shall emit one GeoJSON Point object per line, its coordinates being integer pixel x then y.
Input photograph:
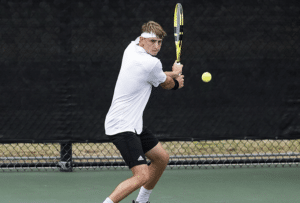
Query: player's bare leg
{"type": "Point", "coordinates": [159, 160]}
{"type": "Point", "coordinates": [139, 178]}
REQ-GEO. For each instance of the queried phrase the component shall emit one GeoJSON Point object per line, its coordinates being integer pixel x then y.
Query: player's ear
{"type": "Point", "coordinates": [142, 41]}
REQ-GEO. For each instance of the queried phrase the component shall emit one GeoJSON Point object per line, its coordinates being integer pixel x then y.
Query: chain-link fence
{"type": "Point", "coordinates": [183, 154]}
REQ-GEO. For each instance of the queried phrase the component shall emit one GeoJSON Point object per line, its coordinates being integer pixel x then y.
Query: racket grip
{"type": "Point", "coordinates": [179, 64]}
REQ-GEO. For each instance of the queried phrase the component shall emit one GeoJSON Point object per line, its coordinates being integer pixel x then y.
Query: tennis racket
{"type": "Point", "coordinates": [178, 30]}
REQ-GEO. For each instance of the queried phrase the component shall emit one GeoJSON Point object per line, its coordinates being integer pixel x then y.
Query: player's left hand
{"type": "Point", "coordinates": [180, 80]}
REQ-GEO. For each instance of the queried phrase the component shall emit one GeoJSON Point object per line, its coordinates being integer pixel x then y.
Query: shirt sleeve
{"type": "Point", "coordinates": [157, 76]}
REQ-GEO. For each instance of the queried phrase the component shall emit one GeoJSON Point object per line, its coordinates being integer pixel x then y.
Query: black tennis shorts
{"type": "Point", "coordinates": [133, 147]}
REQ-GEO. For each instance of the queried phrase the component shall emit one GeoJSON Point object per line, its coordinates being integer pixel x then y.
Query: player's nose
{"type": "Point", "coordinates": [157, 45]}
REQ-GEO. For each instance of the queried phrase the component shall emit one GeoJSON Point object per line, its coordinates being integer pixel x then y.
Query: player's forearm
{"type": "Point", "coordinates": [172, 74]}
{"type": "Point", "coordinates": [168, 84]}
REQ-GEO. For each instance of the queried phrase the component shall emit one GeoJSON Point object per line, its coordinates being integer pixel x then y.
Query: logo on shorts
{"type": "Point", "coordinates": [140, 158]}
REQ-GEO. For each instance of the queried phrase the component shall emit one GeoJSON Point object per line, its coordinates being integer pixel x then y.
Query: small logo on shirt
{"type": "Point", "coordinates": [140, 158]}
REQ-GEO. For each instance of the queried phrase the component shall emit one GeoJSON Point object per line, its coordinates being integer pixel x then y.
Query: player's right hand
{"type": "Point", "coordinates": [177, 68]}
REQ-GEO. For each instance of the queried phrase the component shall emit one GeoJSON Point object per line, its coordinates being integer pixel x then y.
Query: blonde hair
{"type": "Point", "coordinates": [154, 27]}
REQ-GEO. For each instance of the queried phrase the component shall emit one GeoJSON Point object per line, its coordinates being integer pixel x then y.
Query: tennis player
{"type": "Point", "coordinates": [140, 70]}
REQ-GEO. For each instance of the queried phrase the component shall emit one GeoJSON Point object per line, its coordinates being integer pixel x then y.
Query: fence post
{"type": "Point", "coordinates": [66, 157]}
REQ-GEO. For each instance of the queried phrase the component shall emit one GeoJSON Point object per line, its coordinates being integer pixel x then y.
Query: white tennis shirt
{"type": "Point", "coordinates": [139, 71]}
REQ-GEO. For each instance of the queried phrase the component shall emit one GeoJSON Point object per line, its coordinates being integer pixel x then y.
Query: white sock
{"type": "Point", "coordinates": [108, 200]}
{"type": "Point", "coordinates": [144, 195]}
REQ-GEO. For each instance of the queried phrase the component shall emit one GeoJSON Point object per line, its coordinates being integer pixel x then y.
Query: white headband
{"type": "Point", "coordinates": [148, 35]}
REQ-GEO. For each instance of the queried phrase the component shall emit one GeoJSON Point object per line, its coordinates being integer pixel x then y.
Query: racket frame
{"type": "Point", "coordinates": [178, 30]}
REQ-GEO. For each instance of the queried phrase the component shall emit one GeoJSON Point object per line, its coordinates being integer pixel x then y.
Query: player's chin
{"type": "Point", "coordinates": [155, 53]}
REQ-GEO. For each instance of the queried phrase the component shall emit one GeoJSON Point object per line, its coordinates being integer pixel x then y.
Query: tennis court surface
{"type": "Point", "coordinates": [253, 184]}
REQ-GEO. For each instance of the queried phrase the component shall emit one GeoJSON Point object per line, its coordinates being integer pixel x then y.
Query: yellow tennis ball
{"type": "Point", "coordinates": [206, 77]}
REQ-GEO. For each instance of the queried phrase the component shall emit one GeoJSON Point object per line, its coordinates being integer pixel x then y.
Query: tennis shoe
{"type": "Point", "coordinates": [137, 202]}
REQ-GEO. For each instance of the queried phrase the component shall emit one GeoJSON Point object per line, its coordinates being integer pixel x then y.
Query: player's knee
{"type": "Point", "coordinates": [165, 159]}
